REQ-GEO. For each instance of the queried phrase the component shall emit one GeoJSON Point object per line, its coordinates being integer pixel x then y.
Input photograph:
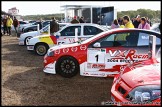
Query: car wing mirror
{"type": "Point", "coordinates": [97, 45]}
{"type": "Point", "coordinates": [57, 34]}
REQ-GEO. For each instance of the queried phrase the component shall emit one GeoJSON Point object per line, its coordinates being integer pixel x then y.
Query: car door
{"type": "Point", "coordinates": [67, 35]}
{"type": "Point", "coordinates": [107, 54]}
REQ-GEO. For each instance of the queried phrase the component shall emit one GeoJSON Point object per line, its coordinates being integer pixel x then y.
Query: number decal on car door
{"type": "Point", "coordinates": [96, 55]}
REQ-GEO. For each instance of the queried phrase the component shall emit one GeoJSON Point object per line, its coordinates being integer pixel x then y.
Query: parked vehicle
{"type": "Point", "coordinates": [155, 27]}
{"type": "Point", "coordinates": [24, 38]}
{"type": "Point", "coordinates": [40, 44]}
{"type": "Point", "coordinates": [139, 83]}
{"type": "Point", "coordinates": [99, 56]}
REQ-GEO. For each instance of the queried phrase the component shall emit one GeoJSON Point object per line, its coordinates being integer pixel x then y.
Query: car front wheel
{"type": "Point", "coordinates": [67, 67]}
{"type": "Point", "coordinates": [41, 49]}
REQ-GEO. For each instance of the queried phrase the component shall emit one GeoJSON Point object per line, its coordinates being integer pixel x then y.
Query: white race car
{"type": "Point", "coordinates": [24, 38]}
{"type": "Point", "coordinates": [40, 44]}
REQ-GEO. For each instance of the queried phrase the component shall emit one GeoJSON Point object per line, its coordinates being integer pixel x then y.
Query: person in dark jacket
{"type": "Point", "coordinates": [74, 20]}
{"type": "Point", "coordinates": [15, 24]}
{"type": "Point", "coordinates": [4, 21]}
{"type": "Point", "coordinates": [54, 26]}
{"type": "Point", "coordinates": [40, 23]}
{"type": "Point", "coordinates": [137, 21]}
{"type": "Point", "coordinates": [81, 20]}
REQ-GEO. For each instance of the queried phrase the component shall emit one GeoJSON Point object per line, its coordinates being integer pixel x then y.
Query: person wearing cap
{"type": "Point", "coordinates": [144, 24]}
{"type": "Point", "coordinates": [74, 20]}
{"type": "Point", "coordinates": [127, 22]}
{"type": "Point", "coordinates": [137, 21]}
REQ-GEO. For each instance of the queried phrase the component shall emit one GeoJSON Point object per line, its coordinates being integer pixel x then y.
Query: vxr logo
{"type": "Point", "coordinates": [117, 54]}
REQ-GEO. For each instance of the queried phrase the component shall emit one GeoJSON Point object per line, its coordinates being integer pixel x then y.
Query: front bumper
{"type": "Point", "coordinates": [50, 68]}
{"type": "Point", "coordinates": [30, 47]}
{"type": "Point", "coordinates": [21, 42]}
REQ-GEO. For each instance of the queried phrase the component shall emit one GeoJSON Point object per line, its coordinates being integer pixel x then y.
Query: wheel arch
{"type": "Point", "coordinates": [38, 43]}
{"type": "Point", "coordinates": [26, 38]}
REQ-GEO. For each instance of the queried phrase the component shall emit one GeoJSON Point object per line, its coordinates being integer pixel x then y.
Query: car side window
{"type": "Point", "coordinates": [46, 23]}
{"type": "Point", "coordinates": [91, 30]}
{"type": "Point", "coordinates": [143, 39]}
{"type": "Point", "coordinates": [125, 39]}
{"type": "Point", "coordinates": [45, 29]}
{"type": "Point", "coordinates": [70, 31]}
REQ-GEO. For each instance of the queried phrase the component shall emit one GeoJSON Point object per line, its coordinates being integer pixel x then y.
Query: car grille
{"type": "Point", "coordinates": [121, 90]}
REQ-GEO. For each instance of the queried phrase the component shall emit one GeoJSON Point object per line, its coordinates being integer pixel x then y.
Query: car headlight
{"type": "Point", "coordinates": [144, 93]}
{"type": "Point", "coordinates": [51, 53]}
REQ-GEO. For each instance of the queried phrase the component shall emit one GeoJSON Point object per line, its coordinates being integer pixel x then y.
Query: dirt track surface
{"type": "Point", "coordinates": [25, 83]}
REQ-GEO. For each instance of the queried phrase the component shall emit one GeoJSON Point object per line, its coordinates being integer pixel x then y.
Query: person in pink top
{"type": "Point", "coordinates": [144, 24]}
{"type": "Point", "coordinates": [115, 24]}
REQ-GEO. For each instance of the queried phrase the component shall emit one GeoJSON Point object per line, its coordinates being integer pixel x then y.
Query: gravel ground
{"type": "Point", "coordinates": [24, 83]}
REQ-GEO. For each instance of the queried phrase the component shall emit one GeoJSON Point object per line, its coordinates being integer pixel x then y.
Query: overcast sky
{"type": "Point", "coordinates": [51, 7]}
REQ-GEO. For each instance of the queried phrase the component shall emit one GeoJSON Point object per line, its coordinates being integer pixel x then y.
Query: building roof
{"type": "Point", "coordinates": [78, 6]}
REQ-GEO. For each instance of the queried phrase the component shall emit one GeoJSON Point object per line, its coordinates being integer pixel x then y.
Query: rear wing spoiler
{"type": "Point", "coordinates": [152, 46]}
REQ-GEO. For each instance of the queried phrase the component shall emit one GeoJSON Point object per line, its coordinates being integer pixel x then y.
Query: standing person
{"type": "Point", "coordinates": [15, 24]}
{"type": "Point", "coordinates": [148, 21]}
{"type": "Point", "coordinates": [40, 23]}
{"type": "Point", "coordinates": [120, 21]}
{"type": "Point", "coordinates": [137, 21]}
{"type": "Point", "coordinates": [144, 24]}
{"type": "Point", "coordinates": [9, 24]}
{"type": "Point", "coordinates": [81, 20]}
{"type": "Point", "coordinates": [54, 26]}
{"type": "Point", "coordinates": [4, 21]}
{"type": "Point", "coordinates": [74, 20]}
{"type": "Point", "coordinates": [115, 24]}
{"type": "Point", "coordinates": [127, 22]}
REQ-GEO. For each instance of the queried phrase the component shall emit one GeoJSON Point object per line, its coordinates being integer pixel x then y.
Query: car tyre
{"type": "Point", "coordinates": [67, 67]}
{"type": "Point", "coordinates": [41, 49]}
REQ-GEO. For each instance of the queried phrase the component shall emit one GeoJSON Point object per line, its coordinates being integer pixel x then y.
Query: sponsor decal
{"type": "Point", "coordinates": [96, 66]}
{"type": "Point", "coordinates": [65, 50]}
{"type": "Point", "coordinates": [57, 51]}
{"type": "Point", "coordinates": [74, 49]}
{"type": "Point", "coordinates": [125, 56]}
{"type": "Point", "coordinates": [49, 67]}
{"type": "Point", "coordinates": [71, 40]}
{"type": "Point", "coordinates": [102, 74]}
{"type": "Point", "coordinates": [83, 47]}
{"type": "Point", "coordinates": [103, 50]}
{"type": "Point", "coordinates": [85, 73]}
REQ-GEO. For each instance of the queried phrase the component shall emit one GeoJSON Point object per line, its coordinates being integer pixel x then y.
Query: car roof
{"type": "Point", "coordinates": [88, 24]}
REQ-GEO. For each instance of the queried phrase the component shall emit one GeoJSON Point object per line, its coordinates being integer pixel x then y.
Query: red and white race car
{"type": "Point", "coordinates": [101, 55]}
{"type": "Point", "coordinates": [138, 83]}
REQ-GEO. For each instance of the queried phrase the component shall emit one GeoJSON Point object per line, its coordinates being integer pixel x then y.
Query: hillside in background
{"type": "Point", "coordinates": [44, 17]}
{"type": "Point", "coordinates": [143, 12]}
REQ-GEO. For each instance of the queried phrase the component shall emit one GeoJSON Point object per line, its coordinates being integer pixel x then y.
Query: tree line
{"type": "Point", "coordinates": [151, 14]}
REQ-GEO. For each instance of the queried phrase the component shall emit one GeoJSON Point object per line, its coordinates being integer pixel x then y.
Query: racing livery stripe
{"type": "Point", "coordinates": [54, 39]}
{"type": "Point", "coordinates": [46, 39]}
